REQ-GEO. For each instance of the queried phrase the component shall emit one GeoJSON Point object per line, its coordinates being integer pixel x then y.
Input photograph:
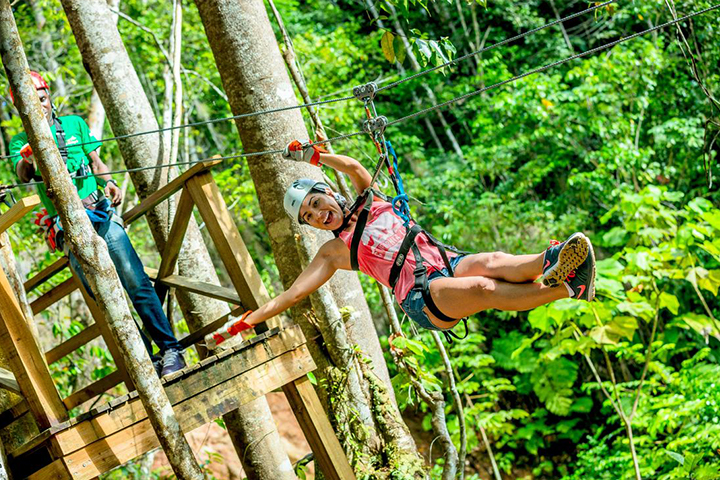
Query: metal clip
{"type": "Point", "coordinates": [375, 125]}
{"type": "Point", "coordinates": [4, 193]}
{"type": "Point", "coordinates": [365, 92]}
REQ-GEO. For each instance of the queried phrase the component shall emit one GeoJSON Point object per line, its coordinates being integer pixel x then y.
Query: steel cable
{"type": "Point", "coordinates": [548, 66]}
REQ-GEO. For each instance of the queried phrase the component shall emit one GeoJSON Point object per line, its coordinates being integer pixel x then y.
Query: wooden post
{"type": "Point", "coordinates": [317, 429]}
{"type": "Point", "coordinates": [27, 361]}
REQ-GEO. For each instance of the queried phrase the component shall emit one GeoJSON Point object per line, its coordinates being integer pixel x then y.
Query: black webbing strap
{"type": "Point", "coordinates": [359, 228]}
{"type": "Point", "coordinates": [60, 134]}
{"type": "Point", "coordinates": [402, 253]}
{"type": "Point", "coordinates": [422, 283]}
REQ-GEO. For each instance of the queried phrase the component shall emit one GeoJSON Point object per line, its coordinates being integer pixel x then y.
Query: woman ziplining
{"type": "Point", "coordinates": [435, 288]}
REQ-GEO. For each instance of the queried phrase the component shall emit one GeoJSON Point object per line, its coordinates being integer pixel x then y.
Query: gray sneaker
{"type": "Point", "coordinates": [561, 259]}
{"type": "Point", "coordinates": [157, 363]}
{"type": "Point", "coordinates": [172, 361]}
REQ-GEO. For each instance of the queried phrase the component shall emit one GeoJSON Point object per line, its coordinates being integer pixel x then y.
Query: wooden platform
{"type": "Point", "coordinates": [109, 436]}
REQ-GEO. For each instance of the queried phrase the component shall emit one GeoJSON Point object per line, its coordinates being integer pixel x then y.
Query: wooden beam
{"type": "Point", "coordinates": [53, 295]}
{"type": "Point", "coordinates": [57, 470]}
{"type": "Point", "coordinates": [73, 343]}
{"type": "Point", "coordinates": [46, 274]}
{"type": "Point", "coordinates": [170, 254]}
{"type": "Point", "coordinates": [222, 230]}
{"type": "Point", "coordinates": [168, 189]}
{"type": "Point", "coordinates": [93, 390]}
{"type": "Point", "coordinates": [231, 365]}
{"type": "Point", "coordinates": [317, 429]}
{"type": "Point", "coordinates": [8, 382]}
{"type": "Point", "coordinates": [18, 211]}
{"type": "Point", "coordinates": [27, 362]}
{"type": "Point", "coordinates": [202, 288]}
{"type": "Point", "coordinates": [131, 442]}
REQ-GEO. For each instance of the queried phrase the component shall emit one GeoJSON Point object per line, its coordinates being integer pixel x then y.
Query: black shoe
{"type": "Point", "coordinates": [561, 259]}
{"type": "Point", "coordinates": [172, 361]}
{"type": "Point", "coordinates": [157, 363]}
{"type": "Point", "coordinates": [581, 282]}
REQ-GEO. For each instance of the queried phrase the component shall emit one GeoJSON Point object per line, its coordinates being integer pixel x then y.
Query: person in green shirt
{"type": "Point", "coordinates": [79, 150]}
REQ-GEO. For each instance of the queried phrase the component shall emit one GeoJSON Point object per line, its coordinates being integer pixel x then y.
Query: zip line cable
{"type": "Point", "coordinates": [204, 122]}
{"type": "Point", "coordinates": [550, 65]}
{"type": "Point", "coordinates": [333, 100]}
{"type": "Point", "coordinates": [485, 49]}
{"type": "Point", "coordinates": [175, 164]}
{"type": "Point", "coordinates": [394, 122]}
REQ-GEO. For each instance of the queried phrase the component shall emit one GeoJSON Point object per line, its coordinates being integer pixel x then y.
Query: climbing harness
{"type": "Point", "coordinates": [375, 126]}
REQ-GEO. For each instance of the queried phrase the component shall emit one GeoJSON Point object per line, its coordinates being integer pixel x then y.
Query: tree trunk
{"type": "Point", "coordinates": [92, 253]}
{"type": "Point", "coordinates": [96, 111]}
{"type": "Point", "coordinates": [129, 111]}
{"type": "Point", "coordinates": [254, 78]}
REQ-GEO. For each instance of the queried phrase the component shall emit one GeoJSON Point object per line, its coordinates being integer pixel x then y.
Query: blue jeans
{"type": "Point", "coordinates": [135, 282]}
{"type": "Point", "coordinates": [414, 303]}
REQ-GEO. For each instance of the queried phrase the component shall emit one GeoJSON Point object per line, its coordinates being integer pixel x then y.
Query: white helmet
{"type": "Point", "coordinates": [297, 192]}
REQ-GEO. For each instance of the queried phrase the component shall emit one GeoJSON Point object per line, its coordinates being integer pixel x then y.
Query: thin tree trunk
{"type": "Point", "coordinates": [254, 77]}
{"type": "Point", "coordinates": [129, 111]}
{"type": "Point", "coordinates": [96, 111]}
{"type": "Point", "coordinates": [92, 254]}
{"type": "Point", "coordinates": [428, 124]}
{"type": "Point", "coordinates": [428, 91]}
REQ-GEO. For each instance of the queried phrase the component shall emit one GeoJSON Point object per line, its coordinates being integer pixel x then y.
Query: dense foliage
{"type": "Point", "coordinates": [613, 145]}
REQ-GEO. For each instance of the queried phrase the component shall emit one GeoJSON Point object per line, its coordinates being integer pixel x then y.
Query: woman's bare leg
{"type": "Point", "coordinates": [502, 266]}
{"type": "Point", "coordinates": [462, 296]}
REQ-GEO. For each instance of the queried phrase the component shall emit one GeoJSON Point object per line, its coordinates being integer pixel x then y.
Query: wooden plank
{"type": "Point", "coordinates": [27, 361]}
{"type": "Point", "coordinates": [133, 441]}
{"type": "Point", "coordinates": [317, 429]}
{"type": "Point", "coordinates": [164, 192]}
{"type": "Point", "coordinates": [55, 471]}
{"type": "Point", "coordinates": [232, 249]}
{"type": "Point", "coordinates": [46, 274]}
{"type": "Point", "coordinates": [84, 433]}
{"type": "Point", "coordinates": [53, 295]}
{"type": "Point", "coordinates": [8, 381]}
{"type": "Point", "coordinates": [170, 254]}
{"type": "Point", "coordinates": [94, 389]}
{"type": "Point", "coordinates": [207, 289]}
{"type": "Point", "coordinates": [73, 343]}
{"type": "Point", "coordinates": [18, 211]}
{"type": "Point", "coordinates": [107, 336]}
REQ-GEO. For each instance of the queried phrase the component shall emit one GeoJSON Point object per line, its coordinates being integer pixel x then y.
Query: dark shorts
{"type": "Point", "coordinates": [414, 303]}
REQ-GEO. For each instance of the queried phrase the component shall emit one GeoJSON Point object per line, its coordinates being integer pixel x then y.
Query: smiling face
{"type": "Point", "coordinates": [320, 210]}
{"type": "Point", "coordinates": [46, 103]}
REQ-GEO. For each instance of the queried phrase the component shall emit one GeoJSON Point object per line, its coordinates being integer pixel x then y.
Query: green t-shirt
{"type": "Point", "coordinates": [76, 131]}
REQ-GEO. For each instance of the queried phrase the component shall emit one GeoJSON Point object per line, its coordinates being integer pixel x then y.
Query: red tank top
{"type": "Point", "coordinates": [381, 240]}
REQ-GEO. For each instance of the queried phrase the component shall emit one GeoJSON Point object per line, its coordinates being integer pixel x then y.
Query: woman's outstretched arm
{"type": "Point", "coordinates": [330, 258]}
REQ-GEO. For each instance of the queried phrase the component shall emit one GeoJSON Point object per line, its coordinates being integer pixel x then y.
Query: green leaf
{"type": "Point", "coordinates": [386, 42]}
{"type": "Point", "coordinates": [675, 456]}
{"type": "Point", "coordinates": [670, 302]}
{"type": "Point", "coordinates": [711, 282]}
{"type": "Point", "coordinates": [540, 319]}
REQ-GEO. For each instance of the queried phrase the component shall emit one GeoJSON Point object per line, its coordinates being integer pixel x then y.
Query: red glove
{"type": "Point", "coordinates": [227, 331]}
{"type": "Point", "coordinates": [303, 152]}
{"type": "Point", "coordinates": [26, 152]}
